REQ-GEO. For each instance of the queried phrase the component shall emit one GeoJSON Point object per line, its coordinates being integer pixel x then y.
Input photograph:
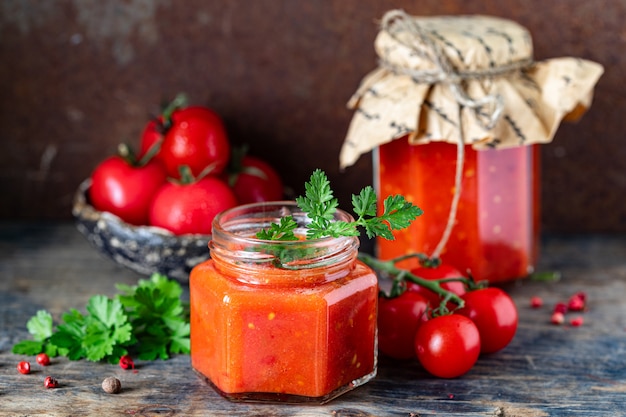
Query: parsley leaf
{"type": "Point", "coordinates": [159, 318]}
{"type": "Point", "coordinates": [40, 326]}
{"type": "Point", "coordinates": [99, 335]}
{"type": "Point", "coordinates": [282, 231]}
{"type": "Point", "coordinates": [397, 214]}
{"type": "Point", "coordinates": [28, 347]}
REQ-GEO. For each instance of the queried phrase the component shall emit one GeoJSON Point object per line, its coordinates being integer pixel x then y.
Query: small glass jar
{"type": "Point", "coordinates": [282, 321]}
{"type": "Point", "coordinates": [496, 230]}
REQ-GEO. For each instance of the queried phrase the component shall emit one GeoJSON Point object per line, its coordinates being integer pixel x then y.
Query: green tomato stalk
{"type": "Point", "coordinates": [401, 276]}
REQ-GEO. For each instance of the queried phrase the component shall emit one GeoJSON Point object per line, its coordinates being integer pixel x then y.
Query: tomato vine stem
{"type": "Point", "coordinates": [400, 276]}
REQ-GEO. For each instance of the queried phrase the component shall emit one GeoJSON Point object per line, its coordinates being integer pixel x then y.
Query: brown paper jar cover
{"type": "Point", "coordinates": [431, 66]}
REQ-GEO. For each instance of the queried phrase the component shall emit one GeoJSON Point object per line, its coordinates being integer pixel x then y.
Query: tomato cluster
{"type": "Point", "coordinates": [185, 173]}
{"type": "Point", "coordinates": [446, 340]}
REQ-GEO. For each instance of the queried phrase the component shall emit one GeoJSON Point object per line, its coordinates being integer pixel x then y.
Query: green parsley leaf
{"type": "Point", "coordinates": [282, 231]}
{"type": "Point", "coordinates": [159, 318]}
{"type": "Point", "coordinates": [28, 347]}
{"type": "Point", "coordinates": [364, 204]}
{"type": "Point", "coordinates": [397, 214]}
{"type": "Point", "coordinates": [108, 312]}
{"type": "Point", "coordinates": [97, 335]}
{"type": "Point", "coordinates": [318, 202]}
{"type": "Point", "coordinates": [69, 337]}
{"type": "Point", "coordinates": [40, 325]}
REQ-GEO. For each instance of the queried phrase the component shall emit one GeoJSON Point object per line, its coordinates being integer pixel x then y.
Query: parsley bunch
{"type": "Point", "coordinates": [149, 319]}
{"type": "Point", "coordinates": [320, 206]}
{"type": "Point", "coordinates": [159, 318]}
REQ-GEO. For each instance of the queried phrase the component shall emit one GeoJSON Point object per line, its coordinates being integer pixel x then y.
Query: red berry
{"type": "Point", "coordinates": [43, 359]}
{"type": "Point", "coordinates": [50, 382]}
{"type": "Point", "coordinates": [557, 318]}
{"type": "Point", "coordinates": [536, 302]}
{"type": "Point", "coordinates": [23, 367]}
{"type": "Point", "coordinates": [576, 321]}
{"type": "Point", "coordinates": [560, 308]}
{"type": "Point", "coordinates": [126, 362]}
{"type": "Point", "coordinates": [576, 302]}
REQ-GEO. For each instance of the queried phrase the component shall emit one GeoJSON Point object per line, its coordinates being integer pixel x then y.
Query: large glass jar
{"type": "Point", "coordinates": [281, 321]}
{"type": "Point", "coordinates": [495, 232]}
{"type": "Point", "coordinates": [468, 80]}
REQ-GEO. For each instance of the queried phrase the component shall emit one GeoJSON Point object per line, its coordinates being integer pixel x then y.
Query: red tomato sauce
{"type": "Point", "coordinates": [309, 340]}
{"type": "Point", "coordinates": [496, 230]}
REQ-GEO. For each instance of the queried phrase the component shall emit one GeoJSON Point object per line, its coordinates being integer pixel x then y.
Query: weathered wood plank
{"type": "Point", "coordinates": [546, 371]}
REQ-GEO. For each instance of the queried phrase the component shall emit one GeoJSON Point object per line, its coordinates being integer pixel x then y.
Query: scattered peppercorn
{"type": "Point", "coordinates": [536, 301]}
{"type": "Point", "coordinates": [126, 362]}
{"type": "Point", "coordinates": [23, 367]}
{"type": "Point", "coordinates": [576, 321]}
{"type": "Point", "coordinates": [43, 359]}
{"type": "Point", "coordinates": [560, 308]}
{"type": "Point", "coordinates": [50, 382]}
{"type": "Point", "coordinates": [557, 318]}
{"type": "Point", "coordinates": [577, 302]}
{"type": "Point", "coordinates": [111, 385]}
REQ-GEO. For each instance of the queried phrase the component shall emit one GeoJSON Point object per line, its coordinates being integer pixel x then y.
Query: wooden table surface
{"type": "Point", "coordinates": [547, 370]}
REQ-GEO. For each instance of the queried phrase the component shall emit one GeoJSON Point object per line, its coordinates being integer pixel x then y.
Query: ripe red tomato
{"type": "Point", "coordinates": [196, 138]}
{"type": "Point", "coordinates": [125, 190]}
{"type": "Point", "coordinates": [152, 135]}
{"type": "Point", "coordinates": [434, 273]}
{"type": "Point", "coordinates": [256, 181]}
{"type": "Point", "coordinates": [398, 321]}
{"type": "Point", "coordinates": [495, 316]}
{"type": "Point", "coordinates": [190, 208]}
{"type": "Point", "coordinates": [448, 346]}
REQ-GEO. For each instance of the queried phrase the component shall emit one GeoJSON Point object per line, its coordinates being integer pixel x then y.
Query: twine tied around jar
{"type": "Point", "coordinates": [487, 109]}
{"type": "Point", "coordinates": [420, 42]}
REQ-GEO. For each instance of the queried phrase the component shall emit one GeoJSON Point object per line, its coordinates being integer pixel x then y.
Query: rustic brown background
{"type": "Point", "coordinates": [79, 76]}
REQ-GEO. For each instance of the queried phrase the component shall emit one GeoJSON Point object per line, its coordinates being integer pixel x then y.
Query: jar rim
{"type": "Point", "coordinates": [234, 238]}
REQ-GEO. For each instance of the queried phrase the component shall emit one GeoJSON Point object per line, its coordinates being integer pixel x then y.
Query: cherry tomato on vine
{"type": "Point", "coordinates": [196, 138]}
{"type": "Point", "coordinates": [255, 181]}
{"type": "Point", "coordinates": [495, 316]}
{"type": "Point", "coordinates": [398, 321]}
{"type": "Point", "coordinates": [121, 186]}
{"type": "Point", "coordinates": [190, 208]}
{"type": "Point", "coordinates": [442, 271]}
{"type": "Point", "coordinates": [447, 346]}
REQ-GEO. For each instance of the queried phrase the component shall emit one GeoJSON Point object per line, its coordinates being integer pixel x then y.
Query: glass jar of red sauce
{"type": "Point", "coordinates": [495, 230]}
{"type": "Point", "coordinates": [470, 80]}
{"type": "Point", "coordinates": [282, 321]}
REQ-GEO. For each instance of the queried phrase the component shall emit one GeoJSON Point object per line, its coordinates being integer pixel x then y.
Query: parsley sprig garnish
{"type": "Point", "coordinates": [320, 206]}
{"type": "Point", "coordinates": [281, 231]}
{"type": "Point", "coordinates": [148, 319]}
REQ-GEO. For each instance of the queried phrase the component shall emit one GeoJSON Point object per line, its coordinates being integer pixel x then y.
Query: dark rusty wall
{"type": "Point", "coordinates": [77, 77]}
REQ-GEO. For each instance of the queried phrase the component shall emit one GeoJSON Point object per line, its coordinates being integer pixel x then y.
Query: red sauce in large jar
{"type": "Point", "coordinates": [495, 234]}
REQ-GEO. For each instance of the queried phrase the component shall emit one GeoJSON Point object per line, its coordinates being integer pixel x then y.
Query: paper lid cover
{"type": "Point", "coordinates": [470, 78]}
